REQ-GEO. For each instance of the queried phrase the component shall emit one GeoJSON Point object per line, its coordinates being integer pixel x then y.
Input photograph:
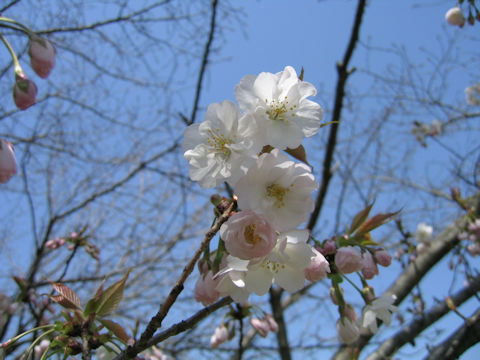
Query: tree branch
{"type": "Point", "coordinates": [423, 321]}
{"type": "Point", "coordinates": [156, 321]}
{"type": "Point", "coordinates": [461, 340]}
{"type": "Point", "coordinates": [277, 310]}
{"type": "Point", "coordinates": [343, 74]}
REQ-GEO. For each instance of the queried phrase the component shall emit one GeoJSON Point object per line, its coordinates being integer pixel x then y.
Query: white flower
{"type": "Point", "coordinates": [280, 106]}
{"type": "Point", "coordinates": [381, 308]}
{"type": "Point", "coordinates": [423, 232]}
{"type": "Point", "coordinates": [279, 189]}
{"type": "Point", "coordinates": [222, 147]}
{"type": "Point", "coordinates": [284, 265]}
{"type": "Point", "coordinates": [232, 279]}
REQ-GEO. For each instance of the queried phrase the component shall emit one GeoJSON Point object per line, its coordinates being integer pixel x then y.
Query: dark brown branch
{"type": "Point", "coordinates": [460, 341]}
{"type": "Point", "coordinates": [277, 310]}
{"type": "Point", "coordinates": [206, 53]}
{"type": "Point", "coordinates": [343, 74]}
{"type": "Point", "coordinates": [156, 321]}
{"type": "Point", "coordinates": [423, 321]}
{"type": "Point", "coordinates": [188, 323]}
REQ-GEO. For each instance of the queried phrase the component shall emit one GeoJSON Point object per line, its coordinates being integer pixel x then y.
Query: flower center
{"type": "Point", "coordinates": [277, 192]}
{"type": "Point", "coordinates": [218, 143]}
{"type": "Point", "coordinates": [273, 266]}
{"type": "Point", "coordinates": [250, 236]}
{"type": "Point", "coordinates": [278, 110]}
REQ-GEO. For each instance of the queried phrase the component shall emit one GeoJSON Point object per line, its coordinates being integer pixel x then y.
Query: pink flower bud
{"type": "Point", "coordinates": [248, 235]}
{"type": "Point", "coordinates": [219, 336]}
{"type": "Point", "coordinates": [42, 56]}
{"type": "Point", "coordinates": [8, 163]}
{"type": "Point", "coordinates": [348, 259]}
{"type": "Point", "coordinates": [318, 267]}
{"type": "Point", "coordinates": [24, 93]}
{"type": "Point", "coordinates": [261, 326]}
{"type": "Point", "coordinates": [382, 257]}
{"type": "Point", "coordinates": [348, 331]}
{"type": "Point", "coordinates": [271, 322]}
{"type": "Point", "coordinates": [205, 291]}
{"type": "Point", "coordinates": [455, 17]}
{"type": "Point", "coordinates": [369, 268]}
{"type": "Point", "coordinates": [329, 247]}
{"type": "Point", "coordinates": [51, 244]}
{"type": "Point", "coordinates": [350, 312]}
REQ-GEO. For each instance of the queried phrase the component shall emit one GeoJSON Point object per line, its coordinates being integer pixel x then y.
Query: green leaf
{"type": "Point", "coordinates": [116, 329]}
{"type": "Point", "coordinates": [92, 304]}
{"type": "Point", "coordinates": [298, 153]}
{"type": "Point", "coordinates": [67, 298]}
{"type": "Point", "coordinates": [375, 222]}
{"type": "Point", "coordinates": [112, 297]}
{"type": "Point", "coordinates": [359, 219]}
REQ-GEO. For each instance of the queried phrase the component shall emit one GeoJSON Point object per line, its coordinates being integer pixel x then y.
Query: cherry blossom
{"type": "Point", "coordinates": [318, 267]}
{"type": "Point", "coordinates": [369, 267]}
{"type": "Point", "coordinates": [348, 259]}
{"type": "Point", "coordinates": [280, 106]}
{"type": "Point", "coordinates": [221, 147]}
{"type": "Point", "coordinates": [381, 308]}
{"type": "Point", "coordinates": [248, 235]}
{"type": "Point", "coordinates": [283, 266]}
{"type": "Point", "coordinates": [205, 291]}
{"type": "Point", "coordinates": [279, 189]}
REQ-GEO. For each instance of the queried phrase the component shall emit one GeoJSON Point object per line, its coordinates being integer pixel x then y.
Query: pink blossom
{"type": "Point", "coordinates": [271, 322]}
{"type": "Point", "coordinates": [24, 93]}
{"type": "Point", "coordinates": [348, 259]}
{"type": "Point", "coordinates": [369, 268]}
{"type": "Point", "coordinates": [248, 235]}
{"type": "Point", "coordinates": [261, 326]}
{"type": "Point", "coordinates": [41, 348]}
{"type": "Point", "coordinates": [42, 56]}
{"type": "Point", "coordinates": [205, 291]}
{"type": "Point", "coordinates": [219, 336]}
{"type": "Point", "coordinates": [318, 268]}
{"type": "Point", "coordinates": [382, 257]}
{"type": "Point", "coordinates": [8, 163]}
{"type": "Point", "coordinates": [329, 247]}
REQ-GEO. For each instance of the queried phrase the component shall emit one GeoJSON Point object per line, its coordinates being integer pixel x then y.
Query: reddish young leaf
{"type": "Point", "coordinates": [375, 222]}
{"type": "Point", "coordinates": [67, 298]}
{"type": "Point", "coordinates": [359, 219]}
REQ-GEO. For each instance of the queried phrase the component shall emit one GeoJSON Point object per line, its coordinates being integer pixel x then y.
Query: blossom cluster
{"type": "Point", "coordinates": [243, 146]}
{"type": "Point", "coordinates": [261, 244]}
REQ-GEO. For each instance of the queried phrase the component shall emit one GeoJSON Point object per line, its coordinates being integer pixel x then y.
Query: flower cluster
{"type": "Point", "coordinates": [243, 147]}
{"type": "Point", "coordinates": [261, 244]}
